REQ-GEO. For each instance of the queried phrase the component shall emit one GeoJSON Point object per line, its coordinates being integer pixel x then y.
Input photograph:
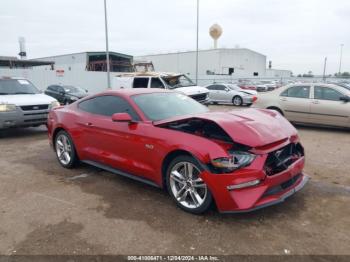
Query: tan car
{"type": "Point", "coordinates": [314, 103]}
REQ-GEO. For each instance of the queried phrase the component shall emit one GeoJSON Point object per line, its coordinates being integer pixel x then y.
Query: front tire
{"type": "Point", "coordinates": [65, 150]}
{"type": "Point", "coordinates": [237, 101]}
{"type": "Point", "coordinates": [186, 187]}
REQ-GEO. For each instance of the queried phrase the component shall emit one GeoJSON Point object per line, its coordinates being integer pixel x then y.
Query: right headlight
{"type": "Point", "coordinates": [236, 160]}
{"type": "Point", "coordinates": [54, 104]}
{"type": "Point", "coordinates": [7, 107]}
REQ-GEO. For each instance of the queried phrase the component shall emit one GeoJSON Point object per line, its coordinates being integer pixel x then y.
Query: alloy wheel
{"type": "Point", "coordinates": [237, 101]}
{"type": "Point", "coordinates": [187, 187]}
{"type": "Point", "coordinates": [63, 149]}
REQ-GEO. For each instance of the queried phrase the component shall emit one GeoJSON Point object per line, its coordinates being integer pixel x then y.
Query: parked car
{"type": "Point", "coordinates": [168, 140]}
{"type": "Point", "coordinates": [65, 94]}
{"type": "Point", "coordinates": [22, 104]}
{"type": "Point", "coordinates": [231, 93]}
{"type": "Point", "coordinates": [178, 82]}
{"type": "Point", "coordinates": [248, 86]}
{"type": "Point", "coordinates": [312, 103]}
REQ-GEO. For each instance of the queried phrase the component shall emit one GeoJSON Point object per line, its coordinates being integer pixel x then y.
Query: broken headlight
{"type": "Point", "coordinates": [236, 160]}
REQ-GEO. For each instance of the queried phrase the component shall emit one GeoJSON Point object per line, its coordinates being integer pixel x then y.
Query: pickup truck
{"type": "Point", "coordinates": [177, 82]}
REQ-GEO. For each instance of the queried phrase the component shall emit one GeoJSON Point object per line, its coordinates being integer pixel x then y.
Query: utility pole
{"type": "Point", "coordinates": [107, 51]}
{"type": "Point", "coordinates": [324, 69]}
{"type": "Point", "coordinates": [197, 43]}
{"type": "Point", "coordinates": [341, 56]}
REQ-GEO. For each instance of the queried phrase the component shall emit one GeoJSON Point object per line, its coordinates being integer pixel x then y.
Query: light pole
{"type": "Point", "coordinates": [324, 69]}
{"type": "Point", "coordinates": [107, 51]}
{"type": "Point", "coordinates": [197, 43]}
{"type": "Point", "coordinates": [341, 56]}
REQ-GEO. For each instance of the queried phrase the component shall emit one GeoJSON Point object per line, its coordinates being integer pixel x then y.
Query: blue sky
{"type": "Point", "coordinates": [294, 34]}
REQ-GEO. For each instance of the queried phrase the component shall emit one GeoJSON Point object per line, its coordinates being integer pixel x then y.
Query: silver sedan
{"type": "Point", "coordinates": [231, 93]}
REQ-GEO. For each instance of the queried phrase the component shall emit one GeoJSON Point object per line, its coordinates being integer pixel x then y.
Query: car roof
{"type": "Point", "coordinates": [134, 91]}
{"type": "Point", "coordinates": [157, 74]}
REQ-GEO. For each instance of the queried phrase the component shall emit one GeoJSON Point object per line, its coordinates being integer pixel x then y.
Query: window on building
{"type": "Point", "coordinates": [255, 74]}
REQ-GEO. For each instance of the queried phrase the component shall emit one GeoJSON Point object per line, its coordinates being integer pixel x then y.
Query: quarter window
{"type": "Point", "coordinates": [326, 93]}
{"type": "Point", "coordinates": [107, 106]}
{"type": "Point", "coordinates": [297, 91]}
{"type": "Point", "coordinates": [141, 82]}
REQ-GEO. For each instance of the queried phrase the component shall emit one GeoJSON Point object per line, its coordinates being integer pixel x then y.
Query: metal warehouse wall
{"type": "Point", "coordinates": [244, 61]}
{"type": "Point", "coordinates": [92, 81]}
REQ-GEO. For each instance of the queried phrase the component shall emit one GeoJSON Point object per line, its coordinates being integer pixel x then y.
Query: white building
{"type": "Point", "coordinates": [85, 69]}
{"type": "Point", "coordinates": [221, 63]}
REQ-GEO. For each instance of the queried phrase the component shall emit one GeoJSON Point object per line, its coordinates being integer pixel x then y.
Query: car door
{"type": "Point", "coordinates": [295, 102]}
{"type": "Point", "coordinates": [327, 108]}
{"type": "Point", "coordinates": [119, 145]}
{"type": "Point", "coordinates": [223, 94]}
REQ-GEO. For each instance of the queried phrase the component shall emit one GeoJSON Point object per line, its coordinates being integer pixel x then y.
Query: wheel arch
{"type": "Point", "coordinates": [170, 157]}
{"type": "Point", "coordinates": [276, 108]}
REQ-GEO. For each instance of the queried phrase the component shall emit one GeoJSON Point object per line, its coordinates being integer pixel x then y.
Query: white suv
{"type": "Point", "coordinates": [22, 104]}
{"type": "Point", "coordinates": [177, 82]}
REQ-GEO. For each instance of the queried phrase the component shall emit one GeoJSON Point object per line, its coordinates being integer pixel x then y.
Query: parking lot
{"type": "Point", "coordinates": [46, 209]}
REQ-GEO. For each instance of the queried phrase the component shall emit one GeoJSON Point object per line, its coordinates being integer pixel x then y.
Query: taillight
{"type": "Point", "coordinates": [254, 98]}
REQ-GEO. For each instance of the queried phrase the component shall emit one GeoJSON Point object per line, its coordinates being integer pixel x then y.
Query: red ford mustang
{"type": "Point", "coordinates": [243, 160]}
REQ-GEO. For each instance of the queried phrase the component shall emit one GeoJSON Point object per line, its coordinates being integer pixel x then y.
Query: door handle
{"type": "Point", "coordinates": [315, 102]}
{"type": "Point", "coordinates": [283, 99]}
{"type": "Point", "coordinates": [89, 124]}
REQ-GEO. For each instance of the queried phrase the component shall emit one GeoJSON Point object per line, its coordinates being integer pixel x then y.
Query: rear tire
{"type": "Point", "coordinates": [276, 109]}
{"type": "Point", "coordinates": [185, 186]}
{"type": "Point", "coordinates": [65, 150]}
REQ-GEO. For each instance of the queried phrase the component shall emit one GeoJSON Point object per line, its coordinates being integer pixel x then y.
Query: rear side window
{"type": "Point", "coordinates": [326, 93]}
{"type": "Point", "coordinates": [156, 83]}
{"type": "Point", "coordinates": [297, 91]}
{"type": "Point", "coordinates": [140, 82]}
{"type": "Point", "coordinates": [211, 87]}
{"type": "Point", "coordinates": [107, 106]}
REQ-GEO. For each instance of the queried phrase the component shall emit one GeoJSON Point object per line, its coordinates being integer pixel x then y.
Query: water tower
{"type": "Point", "coordinates": [215, 32]}
{"type": "Point", "coordinates": [22, 47]}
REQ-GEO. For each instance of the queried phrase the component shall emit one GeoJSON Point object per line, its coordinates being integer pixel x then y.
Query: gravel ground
{"type": "Point", "coordinates": [46, 209]}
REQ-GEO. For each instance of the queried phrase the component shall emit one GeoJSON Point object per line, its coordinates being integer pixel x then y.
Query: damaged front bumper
{"type": "Point", "coordinates": [259, 190]}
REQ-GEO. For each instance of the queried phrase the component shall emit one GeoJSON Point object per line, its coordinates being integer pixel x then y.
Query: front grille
{"type": "Point", "coordinates": [279, 160]}
{"type": "Point", "coordinates": [285, 185]}
{"type": "Point", "coordinates": [34, 107]}
{"type": "Point", "coordinates": [37, 120]}
{"type": "Point", "coordinates": [199, 97]}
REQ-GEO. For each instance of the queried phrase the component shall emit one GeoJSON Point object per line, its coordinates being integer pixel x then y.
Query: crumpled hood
{"type": "Point", "coordinates": [192, 90]}
{"type": "Point", "coordinates": [26, 100]}
{"type": "Point", "coordinates": [251, 127]}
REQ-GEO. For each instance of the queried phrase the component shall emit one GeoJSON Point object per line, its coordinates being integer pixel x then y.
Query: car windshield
{"type": "Point", "coordinates": [177, 81]}
{"type": "Point", "coordinates": [159, 106]}
{"type": "Point", "coordinates": [17, 86]}
{"type": "Point", "coordinates": [73, 89]}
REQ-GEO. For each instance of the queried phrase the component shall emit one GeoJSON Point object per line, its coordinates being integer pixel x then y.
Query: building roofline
{"type": "Point", "coordinates": [85, 52]}
{"type": "Point", "coordinates": [203, 50]}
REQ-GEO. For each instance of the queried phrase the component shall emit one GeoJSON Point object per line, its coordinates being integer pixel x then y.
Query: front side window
{"type": "Point", "coordinates": [177, 81]}
{"type": "Point", "coordinates": [326, 93]}
{"type": "Point", "coordinates": [156, 83]}
{"type": "Point", "coordinates": [107, 106]}
{"type": "Point", "coordinates": [211, 87]}
{"type": "Point", "coordinates": [297, 91]}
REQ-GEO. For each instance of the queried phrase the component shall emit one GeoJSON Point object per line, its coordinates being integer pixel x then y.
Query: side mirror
{"type": "Point", "coordinates": [344, 98]}
{"type": "Point", "coordinates": [86, 91]}
{"type": "Point", "coordinates": [227, 89]}
{"type": "Point", "coordinates": [121, 117]}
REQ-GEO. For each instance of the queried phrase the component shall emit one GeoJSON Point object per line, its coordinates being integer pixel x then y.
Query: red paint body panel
{"type": "Point", "coordinates": [140, 148]}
